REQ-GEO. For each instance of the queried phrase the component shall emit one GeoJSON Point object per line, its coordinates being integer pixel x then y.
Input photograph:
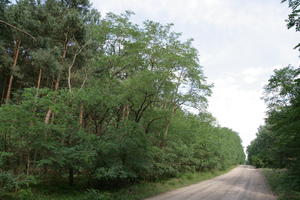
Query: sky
{"type": "Point", "coordinates": [240, 43]}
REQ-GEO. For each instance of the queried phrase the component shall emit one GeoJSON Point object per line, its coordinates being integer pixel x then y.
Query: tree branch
{"type": "Point", "coordinates": [20, 30]}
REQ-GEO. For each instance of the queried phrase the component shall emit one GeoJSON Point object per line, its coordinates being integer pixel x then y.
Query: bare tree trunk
{"type": "Point", "coordinates": [147, 128]}
{"type": "Point", "coordinates": [70, 72]}
{"type": "Point", "coordinates": [37, 88]}
{"type": "Point", "coordinates": [167, 128]}
{"type": "Point", "coordinates": [34, 156]}
{"type": "Point", "coordinates": [48, 115]}
{"type": "Point", "coordinates": [174, 106]}
{"type": "Point", "coordinates": [37, 92]}
{"type": "Point", "coordinates": [127, 111]}
{"type": "Point", "coordinates": [3, 91]}
{"type": "Point", "coordinates": [49, 112]}
{"type": "Point", "coordinates": [28, 163]}
{"type": "Point", "coordinates": [57, 82]}
{"type": "Point", "coordinates": [39, 79]}
{"type": "Point", "coordinates": [81, 114]}
{"type": "Point", "coordinates": [169, 121]}
{"type": "Point", "coordinates": [123, 113]}
{"type": "Point", "coordinates": [72, 64]}
{"type": "Point", "coordinates": [71, 176]}
{"type": "Point", "coordinates": [5, 142]}
{"type": "Point", "coordinates": [15, 59]}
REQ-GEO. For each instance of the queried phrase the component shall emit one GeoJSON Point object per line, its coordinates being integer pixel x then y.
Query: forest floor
{"type": "Point", "coordinates": [242, 183]}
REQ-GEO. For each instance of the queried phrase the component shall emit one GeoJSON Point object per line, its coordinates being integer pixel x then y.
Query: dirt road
{"type": "Point", "coordinates": [241, 183]}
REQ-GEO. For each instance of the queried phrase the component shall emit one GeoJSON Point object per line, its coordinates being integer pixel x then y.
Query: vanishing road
{"type": "Point", "coordinates": [241, 183]}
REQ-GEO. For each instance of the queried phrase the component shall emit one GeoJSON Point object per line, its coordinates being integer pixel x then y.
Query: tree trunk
{"type": "Point", "coordinates": [147, 128]}
{"type": "Point", "coordinates": [127, 112]}
{"type": "Point", "coordinates": [174, 106]}
{"type": "Point", "coordinates": [71, 176]}
{"type": "Point", "coordinates": [28, 163]}
{"type": "Point", "coordinates": [167, 128]}
{"type": "Point", "coordinates": [5, 142]}
{"type": "Point", "coordinates": [81, 115]}
{"type": "Point", "coordinates": [169, 122]}
{"type": "Point", "coordinates": [49, 112]}
{"type": "Point", "coordinates": [69, 72]}
{"type": "Point", "coordinates": [123, 112]}
{"type": "Point", "coordinates": [3, 90]}
{"type": "Point", "coordinates": [39, 79]}
{"type": "Point", "coordinates": [48, 115]}
{"type": "Point", "coordinates": [15, 59]}
{"type": "Point", "coordinates": [57, 82]}
{"type": "Point", "coordinates": [37, 90]}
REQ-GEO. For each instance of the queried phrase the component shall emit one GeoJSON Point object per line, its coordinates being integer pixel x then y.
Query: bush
{"type": "Point", "coordinates": [11, 182]}
{"type": "Point", "coordinates": [284, 184]}
{"type": "Point", "coordinates": [25, 194]}
{"type": "Point", "coordinates": [92, 194]}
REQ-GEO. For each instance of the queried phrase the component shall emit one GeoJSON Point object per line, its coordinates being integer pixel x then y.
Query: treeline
{"type": "Point", "coordinates": [278, 142]}
{"type": "Point", "coordinates": [101, 99]}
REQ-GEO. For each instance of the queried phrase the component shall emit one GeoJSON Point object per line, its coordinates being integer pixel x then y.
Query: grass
{"type": "Point", "coordinates": [144, 190]}
{"type": "Point", "coordinates": [134, 192]}
{"type": "Point", "coordinates": [283, 184]}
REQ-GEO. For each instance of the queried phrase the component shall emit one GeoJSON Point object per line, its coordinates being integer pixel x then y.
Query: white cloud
{"type": "Point", "coordinates": [237, 100]}
{"type": "Point", "coordinates": [237, 108]}
{"type": "Point", "coordinates": [256, 75]}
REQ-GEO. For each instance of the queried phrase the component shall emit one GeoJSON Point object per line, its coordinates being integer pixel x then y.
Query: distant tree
{"type": "Point", "coordinates": [278, 143]}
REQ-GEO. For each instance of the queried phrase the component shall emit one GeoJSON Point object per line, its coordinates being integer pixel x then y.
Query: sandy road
{"type": "Point", "coordinates": [241, 183]}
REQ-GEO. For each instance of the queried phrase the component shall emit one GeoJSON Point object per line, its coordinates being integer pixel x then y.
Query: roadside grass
{"type": "Point", "coordinates": [134, 192]}
{"type": "Point", "coordinates": [144, 190]}
{"type": "Point", "coordinates": [283, 184]}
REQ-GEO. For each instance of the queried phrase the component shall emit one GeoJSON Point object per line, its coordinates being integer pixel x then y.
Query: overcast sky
{"type": "Point", "coordinates": [240, 43]}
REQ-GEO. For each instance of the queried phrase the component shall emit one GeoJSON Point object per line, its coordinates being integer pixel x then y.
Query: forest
{"type": "Point", "coordinates": [278, 141]}
{"type": "Point", "coordinates": [101, 102]}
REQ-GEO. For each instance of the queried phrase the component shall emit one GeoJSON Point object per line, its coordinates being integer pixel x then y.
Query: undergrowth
{"type": "Point", "coordinates": [134, 192]}
{"type": "Point", "coordinates": [285, 185]}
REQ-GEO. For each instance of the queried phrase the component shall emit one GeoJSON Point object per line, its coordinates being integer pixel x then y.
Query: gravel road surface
{"type": "Point", "coordinates": [242, 183]}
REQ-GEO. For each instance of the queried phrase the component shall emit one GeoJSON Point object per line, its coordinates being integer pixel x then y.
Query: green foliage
{"type": "Point", "coordinates": [11, 182]}
{"type": "Point", "coordinates": [25, 194]}
{"type": "Point", "coordinates": [101, 100]}
{"type": "Point", "coordinates": [294, 18]}
{"type": "Point", "coordinates": [93, 194]}
{"type": "Point", "coordinates": [284, 184]}
{"type": "Point", "coordinates": [261, 151]}
{"type": "Point", "coordinates": [278, 142]}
